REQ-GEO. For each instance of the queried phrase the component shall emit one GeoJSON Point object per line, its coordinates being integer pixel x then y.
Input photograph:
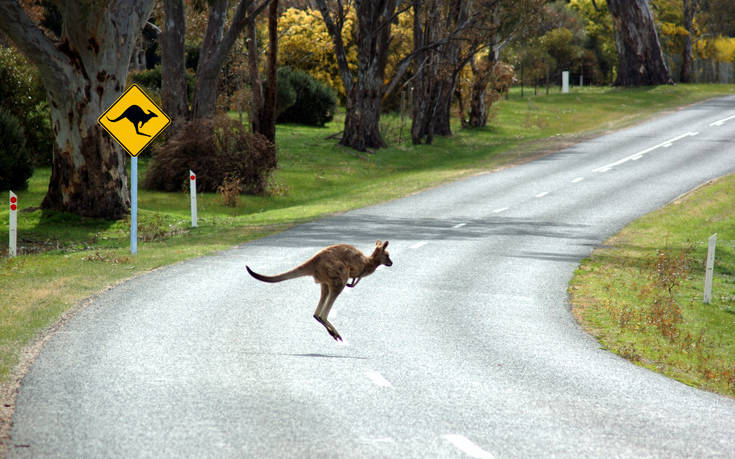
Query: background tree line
{"type": "Point", "coordinates": [65, 62]}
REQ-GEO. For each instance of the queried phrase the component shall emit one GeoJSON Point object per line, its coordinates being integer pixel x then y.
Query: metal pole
{"type": "Point", "coordinates": [134, 205]}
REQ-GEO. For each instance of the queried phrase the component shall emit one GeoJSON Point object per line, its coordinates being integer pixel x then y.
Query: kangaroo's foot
{"type": "Point", "coordinates": [330, 328]}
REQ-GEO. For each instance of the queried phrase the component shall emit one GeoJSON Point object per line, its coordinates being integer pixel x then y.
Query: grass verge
{"type": "Point", "coordinates": [65, 258]}
{"type": "Point", "coordinates": [641, 295]}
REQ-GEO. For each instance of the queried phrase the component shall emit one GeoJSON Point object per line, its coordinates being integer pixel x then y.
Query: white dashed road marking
{"type": "Point", "coordinates": [466, 446]}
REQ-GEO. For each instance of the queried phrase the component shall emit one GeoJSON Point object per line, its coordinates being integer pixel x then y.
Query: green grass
{"type": "Point", "coordinates": [613, 291]}
{"type": "Point", "coordinates": [66, 258]}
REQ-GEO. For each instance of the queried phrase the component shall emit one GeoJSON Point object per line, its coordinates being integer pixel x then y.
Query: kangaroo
{"type": "Point", "coordinates": [135, 115]}
{"type": "Point", "coordinates": [333, 267]}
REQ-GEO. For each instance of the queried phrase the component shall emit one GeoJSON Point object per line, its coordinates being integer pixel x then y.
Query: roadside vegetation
{"type": "Point", "coordinates": [65, 258]}
{"type": "Point", "coordinates": [642, 294]}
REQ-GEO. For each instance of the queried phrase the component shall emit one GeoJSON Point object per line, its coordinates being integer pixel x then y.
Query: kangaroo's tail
{"type": "Point", "coordinates": [117, 119]}
{"type": "Point", "coordinates": [294, 273]}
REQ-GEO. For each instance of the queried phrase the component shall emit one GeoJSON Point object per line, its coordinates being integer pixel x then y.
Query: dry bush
{"type": "Point", "coordinates": [230, 191]}
{"type": "Point", "coordinates": [213, 149]}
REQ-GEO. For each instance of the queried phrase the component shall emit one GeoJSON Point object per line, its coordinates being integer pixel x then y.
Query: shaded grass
{"type": "Point", "coordinates": [66, 258]}
{"type": "Point", "coordinates": [613, 291]}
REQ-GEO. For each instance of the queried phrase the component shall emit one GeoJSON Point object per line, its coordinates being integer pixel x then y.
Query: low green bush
{"type": "Point", "coordinates": [15, 162]}
{"type": "Point", "coordinates": [314, 104]}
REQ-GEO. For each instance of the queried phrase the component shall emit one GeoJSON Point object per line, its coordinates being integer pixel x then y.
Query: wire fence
{"type": "Point", "coordinates": [704, 70]}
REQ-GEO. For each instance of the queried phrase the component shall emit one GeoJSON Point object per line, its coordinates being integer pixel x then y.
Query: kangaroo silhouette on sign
{"type": "Point", "coordinates": [135, 115]}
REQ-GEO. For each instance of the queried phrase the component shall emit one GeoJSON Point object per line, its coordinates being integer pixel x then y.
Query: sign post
{"type": "Point", "coordinates": [134, 205]}
{"type": "Point", "coordinates": [13, 233]}
{"type": "Point", "coordinates": [711, 243]}
{"type": "Point", "coordinates": [134, 120]}
{"type": "Point", "coordinates": [193, 193]}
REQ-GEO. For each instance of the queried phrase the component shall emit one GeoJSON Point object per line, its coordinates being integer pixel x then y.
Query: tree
{"type": "Point", "coordinates": [263, 116]}
{"type": "Point", "coordinates": [83, 71]}
{"type": "Point", "coordinates": [640, 60]}
{"type": "Point", "coordinates": [216, 45]}
{"type": "Point", "coordinates": [436, 67]}
{"type": "Point", "coordinates": [364, 90]}
{"type": "Point", "coordinates": [501, 22]}
{"type": "Point", "coordinates": [689, 9]}
{"type": "Point", "coordinates": [447, 36]}
{"type": "Point", "coordinates": [173, 68]}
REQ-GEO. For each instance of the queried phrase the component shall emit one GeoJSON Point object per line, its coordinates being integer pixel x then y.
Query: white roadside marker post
{"type": "Point", "coordinates": [13, 233]}
{"type": "Point", "coordinates": [711, 243]}
{"type": "Point", "coordinates": [193, 194]}
{"type": "Point", "coordinates": [565, 82]}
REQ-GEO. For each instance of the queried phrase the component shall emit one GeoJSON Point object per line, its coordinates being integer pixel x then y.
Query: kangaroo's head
{"type": "Point", "coordinates": [381, 254]}
{"type": "Point", "coordinates": [151, 115]}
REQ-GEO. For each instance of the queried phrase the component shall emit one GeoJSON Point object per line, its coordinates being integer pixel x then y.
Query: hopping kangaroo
{"type": "Point", "coordinates": [135, 115]}
{"type": "Point", "coordinates": [333, 267]}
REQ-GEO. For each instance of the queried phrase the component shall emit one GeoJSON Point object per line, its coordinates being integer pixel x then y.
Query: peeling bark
{"type": "Point", "coordinates": [83, 74]}
{"type": "Point", "coordinates": [640, 60]}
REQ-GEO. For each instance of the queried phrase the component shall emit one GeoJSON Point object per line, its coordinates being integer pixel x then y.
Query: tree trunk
{"type": "Point", "coordinates": [436, 76]}
{"type": "Point", "coordinates": [216, 45]}
{"type": "Point", "coordinates": [686, 59]}
{"type": "Point", "coordinates": [173, 68]}
{"type": "Point", "coordinates": [83, 75]}
{"type": "Point", "coordinates": [256, 85]}
{"type": "Point", "coordinates": [364, 93]}
{"type": "Point", "coordinates": [482, 75]}
{"type": "Point", "coordinates": [268, 113]}
{"type": "Point", "coordinates": [640, 60]}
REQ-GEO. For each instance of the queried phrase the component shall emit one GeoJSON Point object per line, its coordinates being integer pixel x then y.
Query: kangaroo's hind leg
{"type": "Point", "coordinates": [334, 290]}
{"type": "Point", "coordinates": [322, 318]}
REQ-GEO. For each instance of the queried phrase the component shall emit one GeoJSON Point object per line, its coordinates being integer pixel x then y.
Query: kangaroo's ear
{"type": "Point", "coordinates": [385, 244]}
{"type": "Point", "coordinates": [378, 244]}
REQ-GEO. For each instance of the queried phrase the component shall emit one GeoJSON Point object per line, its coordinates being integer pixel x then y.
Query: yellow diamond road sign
{"type": "Point", "coordinates": [134, 120]}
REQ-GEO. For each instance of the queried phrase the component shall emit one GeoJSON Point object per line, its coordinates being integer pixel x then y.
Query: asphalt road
{"type": "Point", "coordinates": [465, 346]}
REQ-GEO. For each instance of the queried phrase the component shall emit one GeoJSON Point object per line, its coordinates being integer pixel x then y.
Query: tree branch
{"type": "Point", "coordinates": [33, 43]}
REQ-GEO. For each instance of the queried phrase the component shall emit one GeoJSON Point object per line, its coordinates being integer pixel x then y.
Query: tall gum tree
{"type": "Point", "coordinates": [84, 71]}
{"type": "Point", "coordinates": [640, 60]}
{"type": "Point", "coordinates": [365, 89]}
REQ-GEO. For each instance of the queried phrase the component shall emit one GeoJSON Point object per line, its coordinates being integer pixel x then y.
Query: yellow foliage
{"type": "Point", "coordinates": [305, 44]}
{"type": "Point", "coordinates": [671, 29]}
{"type": "Point", "coordinates": [720, 49]}
{"type": "Point", "coordinates": [724, 49]}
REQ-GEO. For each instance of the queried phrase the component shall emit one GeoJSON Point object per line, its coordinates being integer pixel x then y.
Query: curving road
{"type": "Point", "coordinates": [464, 347]}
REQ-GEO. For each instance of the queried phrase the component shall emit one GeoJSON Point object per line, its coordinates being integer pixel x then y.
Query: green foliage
{"type": "Point", "coordinates": [149, 78]}
{"type": "Point", "coordinates": [22, 95]}
{"type": "Point", "coordinates": [15, 163]}
{"type": "Point", "coordinates": [314, 103]}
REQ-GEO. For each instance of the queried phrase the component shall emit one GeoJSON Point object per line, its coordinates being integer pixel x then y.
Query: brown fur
{"type": "Point", "coordinates": [333, 267]}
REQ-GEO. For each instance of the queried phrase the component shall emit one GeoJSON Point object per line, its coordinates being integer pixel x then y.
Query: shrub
{"type": "Point", "coordinates": [214, 149]}
{"type": "Point", "coordinates": [314, 104]}
{"type": "Point", "coordinates": [15, 162]}
{"type": "Point", "coordinates": [151, 79]}
{"type": "Point", "coordinates": [22, 95]}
